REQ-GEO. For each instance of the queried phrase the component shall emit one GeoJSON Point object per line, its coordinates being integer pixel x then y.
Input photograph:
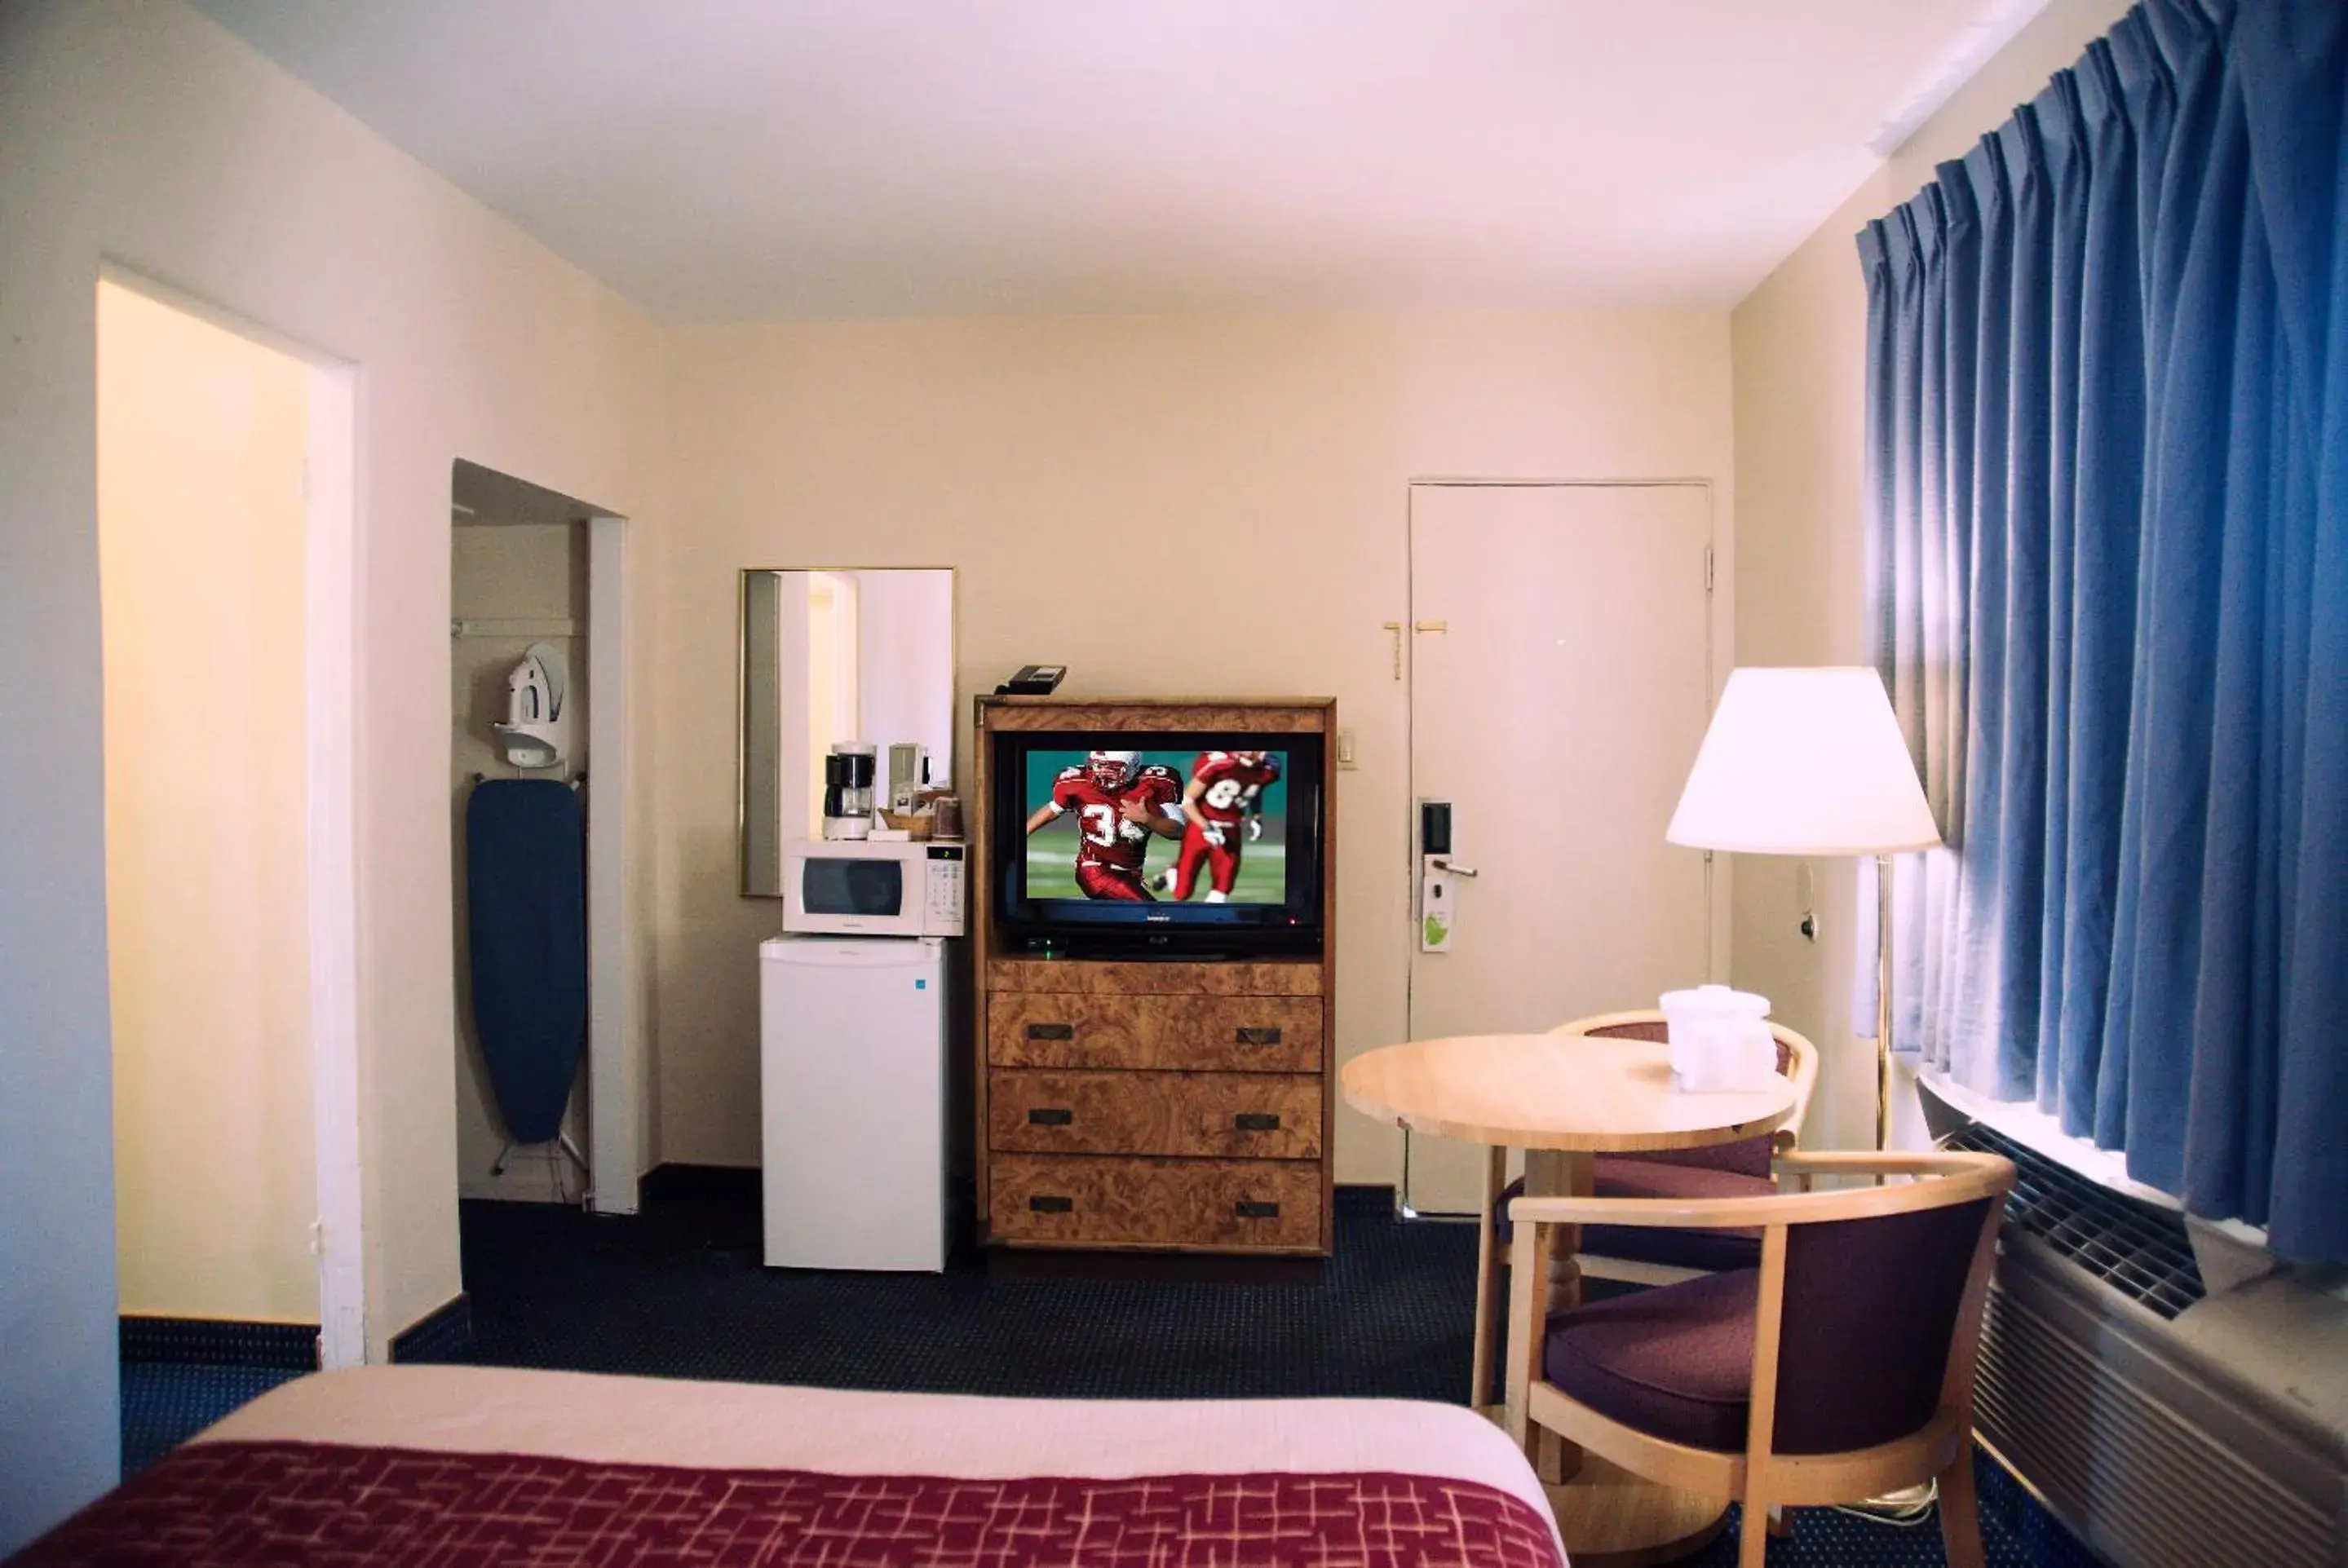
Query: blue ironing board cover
{"type": "Point", "coordinates": [526, 893]}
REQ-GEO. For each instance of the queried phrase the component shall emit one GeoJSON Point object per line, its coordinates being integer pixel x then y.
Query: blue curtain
{"type": "Point", "coordinates": [2107, 580]}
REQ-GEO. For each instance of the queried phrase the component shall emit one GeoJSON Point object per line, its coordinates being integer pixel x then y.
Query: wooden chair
{"type": "Point", "coordinates": [1724, 1169]}
{"type": "Point", "coordinates": [1838, 1369]}
{"type": "Point", "coordinates": [1647, 1257]}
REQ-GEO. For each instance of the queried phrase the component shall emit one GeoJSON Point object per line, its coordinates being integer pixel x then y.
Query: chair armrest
{"type": "Point", "coordinates": [1663, 1213]}
{"type": "Point", "coordinates": [1875, 1162]}
{"type": "Point", "coordinates": [1958, 1177]}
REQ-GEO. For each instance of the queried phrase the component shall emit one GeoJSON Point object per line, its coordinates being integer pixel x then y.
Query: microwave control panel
{"type": "Point", "coordinates": [943, 916]}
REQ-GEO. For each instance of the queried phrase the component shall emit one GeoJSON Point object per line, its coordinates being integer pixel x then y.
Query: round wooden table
{"type": "Point", "coordinates": [1564, 1098]}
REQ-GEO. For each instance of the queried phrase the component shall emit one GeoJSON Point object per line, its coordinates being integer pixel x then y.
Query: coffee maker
{"type": "Point", "coordinates": [848, 790]}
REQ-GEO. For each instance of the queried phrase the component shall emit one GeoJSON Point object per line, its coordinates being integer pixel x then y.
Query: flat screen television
{"type": "Point", "coordinates": [1173, 844]}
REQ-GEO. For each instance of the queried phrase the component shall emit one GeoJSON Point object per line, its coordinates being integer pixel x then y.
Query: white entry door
{"type": "Point", "coordinates": [1560, 686]}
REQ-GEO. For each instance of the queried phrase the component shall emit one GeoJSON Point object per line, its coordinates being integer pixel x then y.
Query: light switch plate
{"type": "Point", "coordinates": [1346, 751]}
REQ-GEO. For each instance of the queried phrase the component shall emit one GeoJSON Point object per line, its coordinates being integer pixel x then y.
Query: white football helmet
{"type": "Point", "coordinates": [1112, 770]}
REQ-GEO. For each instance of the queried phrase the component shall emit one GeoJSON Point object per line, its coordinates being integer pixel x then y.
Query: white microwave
{"type": "Point", "coordinates": [860, 887]}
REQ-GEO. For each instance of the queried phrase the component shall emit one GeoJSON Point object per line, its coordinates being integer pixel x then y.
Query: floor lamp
{"type": "Point", "coordinates": [1812, 763]}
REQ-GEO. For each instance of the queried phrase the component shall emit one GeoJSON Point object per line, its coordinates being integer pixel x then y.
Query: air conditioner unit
{"type": "Point", "coordinates": [2166, 1425]}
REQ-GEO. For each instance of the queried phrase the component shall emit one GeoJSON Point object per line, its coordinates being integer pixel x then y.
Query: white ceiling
{"type": "Point", "coordinates": [720, 160]}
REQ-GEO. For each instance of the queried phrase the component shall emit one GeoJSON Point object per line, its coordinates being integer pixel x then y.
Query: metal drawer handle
{"type": "Point", "coordinates": [1051, 1031]}
{"type": "Point", "coordinates": [1257, 1211]}
{"type": "Point", "coordinates": [1050, 1116]}
{"type": "Point", "coordinates": [1259, 1037]}
{"type": "Point", "coordinates": [1256, 1122]}
{"type": "Point", "coordinates": [1045, 1203]}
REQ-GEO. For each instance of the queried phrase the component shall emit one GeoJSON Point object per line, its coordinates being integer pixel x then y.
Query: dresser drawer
{"type": "Point", "coordinates": [1232, 1034]}
{"type": "Point", "coordinates": [1241, 1116]}
{"type": "Point", "coordinates": [1220, 1203]}
{"type": "Point", "coordinates": [1057, 977]}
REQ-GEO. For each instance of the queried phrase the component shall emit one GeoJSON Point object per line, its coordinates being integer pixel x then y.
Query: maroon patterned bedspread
{"type": "Point", "coordinates": [259, 1503]}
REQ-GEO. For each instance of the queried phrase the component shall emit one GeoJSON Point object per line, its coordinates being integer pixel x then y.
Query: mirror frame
{"type": "Point", "coordinates": [742, 692]}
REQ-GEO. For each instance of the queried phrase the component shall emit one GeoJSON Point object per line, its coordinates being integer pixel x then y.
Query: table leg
{"type": "Point", "coordinates": [1488, 1278]}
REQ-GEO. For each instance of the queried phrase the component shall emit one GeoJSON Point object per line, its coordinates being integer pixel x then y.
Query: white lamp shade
{"type": "Point", "coordinates": [1804, 761]}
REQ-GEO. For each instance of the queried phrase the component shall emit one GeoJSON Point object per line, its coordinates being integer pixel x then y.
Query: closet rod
{"type": "Point", "coordinates": [513, 626]}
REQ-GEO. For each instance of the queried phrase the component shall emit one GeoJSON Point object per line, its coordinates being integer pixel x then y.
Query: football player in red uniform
{"type": "Point", "coordinates": [1120, 805]}
{"type": "Point", "coordinates": [1221, 795]}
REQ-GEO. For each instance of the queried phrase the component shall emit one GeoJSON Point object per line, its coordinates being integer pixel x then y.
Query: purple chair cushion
{"type": "Point", "coordinates": [1675, 1362]}
{"type": "Point", "coordinates": [1870, 1307]}
{"type": "Point", "coordinates": [1706, 1249]}
{"type": "Point", "coordinates": [1745, 1157]}
{"type": "Point", "coordinates": [1618, 1178]}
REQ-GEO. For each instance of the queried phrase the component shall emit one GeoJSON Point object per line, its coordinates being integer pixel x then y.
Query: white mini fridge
{"type": "Point", "coordinates": [852, 1100]}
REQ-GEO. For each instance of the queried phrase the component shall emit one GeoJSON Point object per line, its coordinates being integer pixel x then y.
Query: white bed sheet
{"type": "Point", "coordinates": [706, 1425]}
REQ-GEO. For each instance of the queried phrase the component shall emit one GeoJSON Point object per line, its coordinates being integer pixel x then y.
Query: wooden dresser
{"type": "Point", "coordinates": [1170, 1106]}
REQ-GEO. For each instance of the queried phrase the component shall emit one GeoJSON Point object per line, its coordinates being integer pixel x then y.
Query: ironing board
{"type": "Point", "coordinates": [526, 897]}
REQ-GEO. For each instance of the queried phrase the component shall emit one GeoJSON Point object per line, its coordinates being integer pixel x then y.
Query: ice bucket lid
{"type": "Point", "coordinates": [1717, 1000]}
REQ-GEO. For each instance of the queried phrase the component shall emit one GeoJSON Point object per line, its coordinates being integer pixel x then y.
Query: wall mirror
{"type": "Point", "coordinates": [831, 655]}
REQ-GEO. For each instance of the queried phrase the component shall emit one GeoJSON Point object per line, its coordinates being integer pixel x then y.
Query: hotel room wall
{"type": "Point", "coordinates": [904, 661]}
{"type": "Point", "coordinates": [146, 134]}
{"type": "Point", "coordinates": [203, 440]}
{"type": "Point", "coordinates": [527, 571]}
{"type": "Point", "coordinates": [1800, 351]}
{"type": "Point", "coordinates": [1192, 504]}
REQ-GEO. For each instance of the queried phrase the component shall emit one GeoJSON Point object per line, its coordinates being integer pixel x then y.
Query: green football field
{"type": "Point", "coordinates": [1263, 865]}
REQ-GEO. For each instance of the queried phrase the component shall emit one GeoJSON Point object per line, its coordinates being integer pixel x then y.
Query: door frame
{"type": "Point", "coordinates": [615, 1113]}
{"type": "Point", "coordinates": [1720, 635]}
{"type": "Point", "coordinates": [331, 570]}
{"type": "Point", "coordinates": [330, 608]}
{"type": "Point", "coordinates": [615, 1092]}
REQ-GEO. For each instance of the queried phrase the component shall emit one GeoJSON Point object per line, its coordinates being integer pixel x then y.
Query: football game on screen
{"type": "Point", "coordinates": [1201, 827]}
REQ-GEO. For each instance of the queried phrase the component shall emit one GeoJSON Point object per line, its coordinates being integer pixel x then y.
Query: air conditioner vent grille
{"type": "Point", "coordinates": [2140, 1249]}
{"type": "Point", "coordinates": [2142, 1483]}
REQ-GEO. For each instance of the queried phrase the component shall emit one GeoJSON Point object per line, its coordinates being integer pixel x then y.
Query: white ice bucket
{"type": "Point", "coordinates": [1720, 1040]}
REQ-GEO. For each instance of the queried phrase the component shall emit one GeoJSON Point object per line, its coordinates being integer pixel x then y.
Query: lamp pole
{"type": "Point", "coordinates": [1883, 1002]}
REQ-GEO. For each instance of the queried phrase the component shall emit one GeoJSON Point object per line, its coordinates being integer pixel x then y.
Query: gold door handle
{"type": "Point", "coordinates": [1430, 626]}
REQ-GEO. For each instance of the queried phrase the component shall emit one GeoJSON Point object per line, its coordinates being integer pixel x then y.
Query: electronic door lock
{"type": "Point", "coordinates": [1435, 875]}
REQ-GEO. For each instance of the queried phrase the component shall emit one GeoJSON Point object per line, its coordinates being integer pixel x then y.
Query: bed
{"type": "Point", "coordinates": [455, 1466]}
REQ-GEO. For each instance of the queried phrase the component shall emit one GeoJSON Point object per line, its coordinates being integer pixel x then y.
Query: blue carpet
{"type": "Point", "coordinates": [680, 1292]}
{"type": "Point", "coordinates": [164, 1403]}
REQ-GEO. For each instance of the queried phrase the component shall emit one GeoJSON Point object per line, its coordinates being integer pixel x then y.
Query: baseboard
{"type": "Point", "coordinates": [220, 1342]}
{"type": "Point", "coordinates": [444, 1334]}
{"type": "Point", "coordinates": [673, 1183]}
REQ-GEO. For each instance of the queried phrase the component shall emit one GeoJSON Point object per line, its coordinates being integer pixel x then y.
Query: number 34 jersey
{"type": "Point", "coordinates": [1232, 779]}
{"type": "Point", "coordinates": [1103, 836]}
